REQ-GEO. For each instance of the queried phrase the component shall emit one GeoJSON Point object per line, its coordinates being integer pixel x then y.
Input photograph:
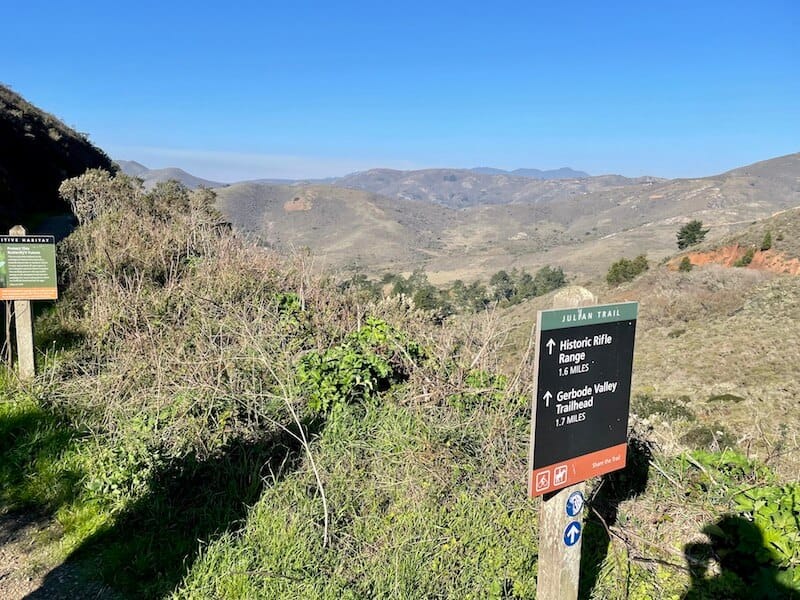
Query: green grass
{"type": "Point", "coordinates": [34, 445]}
{"type": "Point", "coordinates": [408, 519]}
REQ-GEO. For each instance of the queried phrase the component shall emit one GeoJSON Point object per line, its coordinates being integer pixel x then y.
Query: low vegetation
{"type": "Point", "coordinates": [213, 420]}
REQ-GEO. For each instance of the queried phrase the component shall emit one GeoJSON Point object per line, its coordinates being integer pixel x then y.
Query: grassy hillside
{"type": "Point", "coordinates": [37, 153]}
{"type": "Point", "coordinates": [343, 227]}
{"type": "Point", "coordinates": [213, 420]}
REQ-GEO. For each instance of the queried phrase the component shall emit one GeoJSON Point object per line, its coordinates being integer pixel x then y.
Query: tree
{"type": "Point", "coordinates": [690, 234]}
{"type": "Point", "coordinates": [503, 285]}
{"type": "Point", "coordinates": [766, 243]}
{"type": "Point", "coordinates": [685, 265]}
{"type": "Point", "coordinates": [548, 279]}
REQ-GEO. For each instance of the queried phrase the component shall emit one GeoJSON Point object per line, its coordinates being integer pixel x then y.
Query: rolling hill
{"type": "Point", "coordinates": [153, 176]}
{"type": "Point", "coordinates": [342, 226]}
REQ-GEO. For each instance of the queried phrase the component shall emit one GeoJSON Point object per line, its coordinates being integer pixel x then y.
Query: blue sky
{"type": "Point", "coordinates": [302, 89]}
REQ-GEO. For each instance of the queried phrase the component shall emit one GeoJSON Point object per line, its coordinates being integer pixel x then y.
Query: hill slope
{"type": "Point", "coordinates": [36, 154]}
{"type": "Point", "coordinates": [342, 226]}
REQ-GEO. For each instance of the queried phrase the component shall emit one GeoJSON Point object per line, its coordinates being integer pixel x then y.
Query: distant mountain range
{"type": "Point", "coordinates": [153, 176]}
{"type": "Point", "coordinates": [562, 173]}
{"type": "Point", "coordinates": [462, 224]}
{"type": "Point", "coordinates": [359, 180]}
{"type": "Point", "coordinates": [467, 223]}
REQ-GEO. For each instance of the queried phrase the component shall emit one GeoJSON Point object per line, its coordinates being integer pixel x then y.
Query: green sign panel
{"type": "Point", "coordinates": [28, 267]}
{"type": "Point", "coordinates": [589, 315]}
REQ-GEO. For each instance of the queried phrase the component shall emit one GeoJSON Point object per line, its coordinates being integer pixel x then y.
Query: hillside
{"type": "Point", "coordinates": [582, 225]}
{"type": "Point", "coordinates": [343, 227]}
{"type": "Point", "coordinates": [153, 176]}
{"type": "Point", "coordinates": [36, 154]}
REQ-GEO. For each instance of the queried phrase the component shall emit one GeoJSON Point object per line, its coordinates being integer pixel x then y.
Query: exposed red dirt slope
{"type": "Point", "coordinates": [766, 260]}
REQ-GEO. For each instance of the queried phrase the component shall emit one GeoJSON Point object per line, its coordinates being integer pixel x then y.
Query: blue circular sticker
{"type": "Point", "coordinates": [572, 533]}
{"type": "Point", "coordinates": [575, 504]}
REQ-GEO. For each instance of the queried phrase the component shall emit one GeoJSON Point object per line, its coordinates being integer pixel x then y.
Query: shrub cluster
{"type": "Point", "coordinates": [505, 289]}
{"type": "Point", "coordinates": [625, 270]}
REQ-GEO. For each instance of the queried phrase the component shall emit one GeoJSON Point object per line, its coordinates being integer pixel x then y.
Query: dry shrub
{"type": "Point", "coordinates": [189, 334]}
{"type": "Point", "coordinates": [684, 296]}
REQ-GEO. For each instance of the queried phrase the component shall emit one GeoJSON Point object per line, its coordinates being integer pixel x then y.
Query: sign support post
{"type": "Point", "coordinates": [27, 272]}
{"type": "Point", "coordinates": [23, 320]}
{"type": "Point", "coordinates": [560, 564]}
{"type": "Point", "coordinates": [579, 422]}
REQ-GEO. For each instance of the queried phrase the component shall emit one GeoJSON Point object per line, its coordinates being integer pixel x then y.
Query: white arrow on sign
{"type": "Point", "coordinates": [547, 396]}
{"type": "Point", "coordinates": [550, 345]}
{"type": "Point", "coordinates": [573, 533]}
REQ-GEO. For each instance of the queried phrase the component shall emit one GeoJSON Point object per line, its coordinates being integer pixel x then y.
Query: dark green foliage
{"type": "Point", "coordinates": [646, 406]}
{"type": "Point", "coordinates": [747, 258]}
{"type": "Point", "coordinates": [368, 361]}
{"type": "Point", "coordinates": [690, 234]}
{"type": "Point", "coordinates": [503, 286]}
{"type": "Point", "coordinates": [471, 297]}
{"type": "Point", "coordinates": [766, 243]}
{"type": "Point", "coordinates": [517, 286]}
{"type": "Point", "coordinates": [548, 279]}
{"type": "Point", "coordinates": [625, 270]}
{"type": "Point", "coordinates": [757, 548]}
{"type": "Point", "coordinates": [362, 284]}
{"type": "Point", "coordinates": [709, 437]}
{"type": "Point", "coordinates": [685, 265]}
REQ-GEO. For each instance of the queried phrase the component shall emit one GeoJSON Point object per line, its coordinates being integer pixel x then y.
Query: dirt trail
{"type": "Point", "coordinates": [23, 537]}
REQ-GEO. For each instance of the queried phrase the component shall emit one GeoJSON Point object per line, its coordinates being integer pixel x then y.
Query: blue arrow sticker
{"type": "Point", "coordinates": [574, 504]}
{"type": "Point", "coordinates": [572, 533]}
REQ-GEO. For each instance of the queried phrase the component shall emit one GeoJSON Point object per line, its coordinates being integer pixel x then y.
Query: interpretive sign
{"type": "Point", "coordinates": [28, 267]}
{"type": "Point", "coordinates": [583, 381]}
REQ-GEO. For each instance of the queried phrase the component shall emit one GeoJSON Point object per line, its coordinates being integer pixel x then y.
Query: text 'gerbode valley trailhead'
{"type": "Point", "coordinates": [580, 413]}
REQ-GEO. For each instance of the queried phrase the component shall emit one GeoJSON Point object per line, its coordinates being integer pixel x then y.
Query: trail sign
{"type": "Point", "coordinates": [28, 267]}
{"type": "Point", "coordinates": [579, 421]}
{"type": "Point", "coordinates": [572, 533]}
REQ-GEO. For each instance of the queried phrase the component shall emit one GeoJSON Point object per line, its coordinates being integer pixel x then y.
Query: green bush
{"type": "Point", "coordinates": [625, 270]}
{"type": "Point", "coordinates": [685, 265]}
{"type": "Point", "coordinates": [747, 258]}
{"type": "Point", "coordinates": [368, 361]}
{"type": "Point", "coordinates": [766, 243]}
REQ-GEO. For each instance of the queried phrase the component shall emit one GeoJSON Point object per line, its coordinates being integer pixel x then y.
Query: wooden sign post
{"type": "Point", "coordinates": [579, 422]}
{"type": "Point", "coordinates": [27, 272]}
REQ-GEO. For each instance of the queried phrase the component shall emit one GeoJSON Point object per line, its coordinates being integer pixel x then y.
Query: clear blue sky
{"type": "Point", "coordinates": [230, 90]}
